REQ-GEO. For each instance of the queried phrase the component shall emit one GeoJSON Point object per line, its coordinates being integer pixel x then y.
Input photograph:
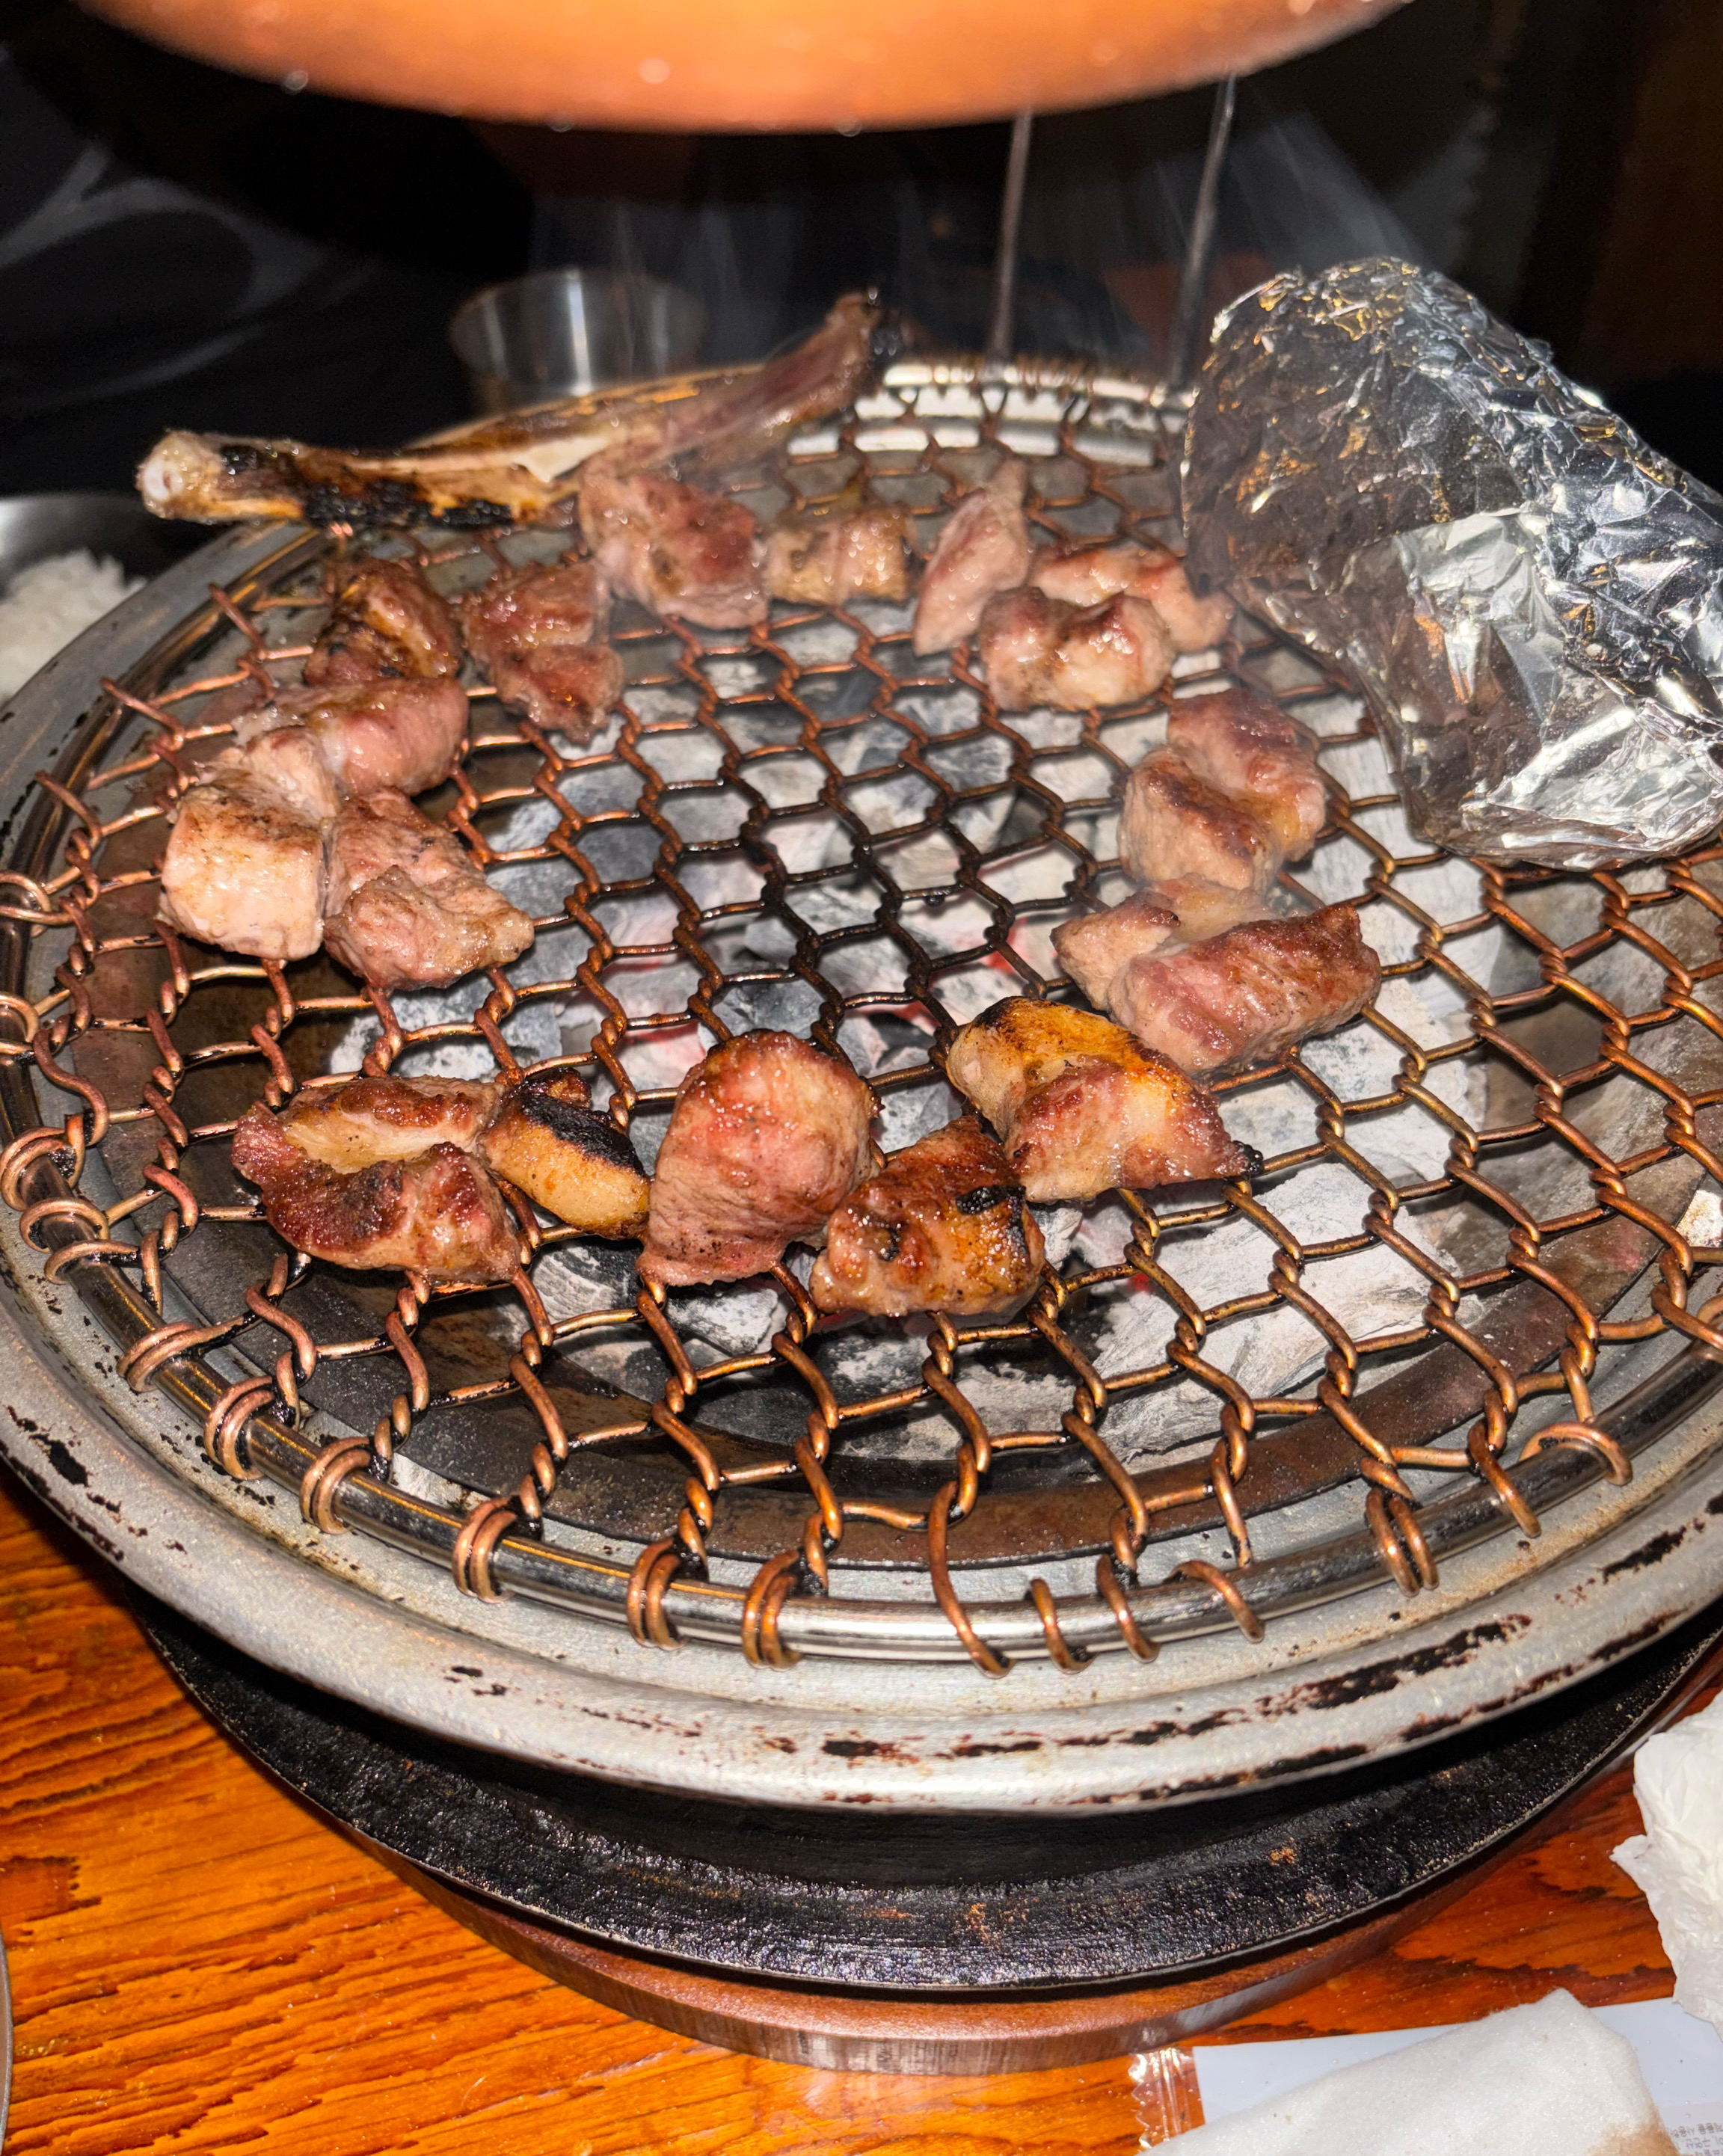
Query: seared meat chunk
{"type": "Point", "coordinates": [1085, 575]}
{"type": "Point", "coordinates": [385, 620]}
{"type": "Point", "coordinates": [1092, 949]}
{"type": "Point", "coordinates": [828, 559]}
{"type": "Point", "coordinates": [244, 868]}
{"type": "Point", "coordinates": [1176, 824]}
{"type": "Point", "coordinates": [1247, 748]}
{"type": "Point", "coordinates": [406, 904]}
{"type": "Point", "coordinates": [1245, 997]}
{"type": "Point", "coordinates": [545, 1139]}
{"type": "Point", "coordinates": [673, 547]}
{"type": "Point", "coordinates": [539, 635]}
{"type": "Point", "coordinates": [349, 1126]}
{"type": "Point", "coordinates": [1039, 650]}
{"type": "Point", "coordinates": [404, 734]}
{"type": "Point", "coordinates": [943, 1226]}
{"type": "Point", "coordinates": [435, 1211]}
{"type": "Point", "coordinates": [984, 548]}
{"type": "Point", "coordinates": [1161, 916]}
{"type": "Point", "coordinates": [1082, 1109]}
{"type": "Point", "coordinates": [767, 1137]}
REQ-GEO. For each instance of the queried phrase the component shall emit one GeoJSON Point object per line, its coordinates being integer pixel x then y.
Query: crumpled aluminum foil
{"type": "Point", "coordinates": [1530, 598]}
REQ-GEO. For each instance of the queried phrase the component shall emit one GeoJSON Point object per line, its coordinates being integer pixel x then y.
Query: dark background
{"type": "Point", "coordinates": [182, 247]}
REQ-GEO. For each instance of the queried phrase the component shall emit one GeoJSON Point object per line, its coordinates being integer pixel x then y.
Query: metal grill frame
{"type": "Point", "coordinates": [250, 1425]}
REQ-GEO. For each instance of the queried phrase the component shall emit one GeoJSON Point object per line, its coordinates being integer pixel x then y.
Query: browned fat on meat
{"type": "Point", "coordinates": [406, 904]}
{"type": "Point", "coordinates": [539, 635]}
{"type": "Point", "coordinates": [1245, 997]}
{"type": "Point", "coordinates": [403, 734]}
{"type": "Point", "coordinates": [436, 1211]}
{"type": "Point", "coordinates": [1038, 650]}
{"type": "Point", "coordinates": [1082, 1109]}
{"type": "Point", "coordinates": [984, 548]}
{"type": "Point", "coordinates": [1247, 748]}
{"type": "Point", "coordinates": [849, 554]}
{"type": "Point", "coordinates": [767, 1137]}
{"type": "Point", "coordinates": [545, 1139]}
{"type": "Point", "coordinates": [1084, 575]}
{"type": "Point", "coordinates": [245, 870]}
{"type": "Point", "coordinates": [1175, 824]}
{"type": "Point", "coordinates": [348, 1126]}
{"type": "Point", "coordinates": [673, 547]}
{"type": "Point", "coordinates": [385, 620]}
{"type": "Point", "coordinates": [943, 1226]}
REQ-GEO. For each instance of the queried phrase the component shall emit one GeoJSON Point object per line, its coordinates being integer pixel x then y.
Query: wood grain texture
{"type": "Point", "coordinates": [199, 1964]}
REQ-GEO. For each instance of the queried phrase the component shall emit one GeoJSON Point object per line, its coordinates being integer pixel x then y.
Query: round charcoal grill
{"type": "Point", "coordinates": [1269, 1477]}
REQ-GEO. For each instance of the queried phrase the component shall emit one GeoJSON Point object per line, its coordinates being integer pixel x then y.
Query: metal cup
{"type": "Point", "coordinates": [562, 331]}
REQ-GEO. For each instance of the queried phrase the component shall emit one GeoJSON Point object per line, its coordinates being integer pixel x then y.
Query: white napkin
{"type": "Point", "coordinates": [1678, 1861]}
{"type": "Point", "coordinates": [1548, 2080]}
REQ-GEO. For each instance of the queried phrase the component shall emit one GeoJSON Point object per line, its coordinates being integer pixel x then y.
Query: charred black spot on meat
{"type": "Point", "coordinates": [471, 515]}
{"type": "Point", "coordinates": [593, 1133]}
{"type": "Point", "coordinates": [989, 1195]}
{"type": "Point", "coordinates": [238, 458]}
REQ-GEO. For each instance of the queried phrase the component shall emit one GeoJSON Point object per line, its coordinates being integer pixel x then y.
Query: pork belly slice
{"type": "Point", "coordinates": [1093, 949]}
{"type": "Point", "coordinates": [244, 868]}
{"type": "Point", "coordinates": [1040, 650]}
{"type": "Point", "coordinates": [1084, 575]}
{"type": "Point", "coordinates": [405, 734]}
{"type": "Point", "coordinates": [1245, 997]}
{"type": "Point", "coordinates": [768, 1135]}
{"type": "Point", "coordinates": [828, 560]}
{"type": "Point", "coordinates": [385, 621]}
{"type": "Point", "coordinates": [436, 1211]}
{"type": "Point", "coordinates": [406, 904]}
{"type": "Point", "coordinates": [984, 548]}
{"type": "Point", "coordinates": [1081, 1109]}
{"type": "Point", "coordinates": [546, 1141]}
{"type": "Point", "coordinates": [539, 635]}
{"type": "Point", "coordinates": [673, 547]}
{"type": "Point", "coordinates": [1176, 824]}
{"type": "Point", "coordinates": [1247, 748]}
{"type": "Point", "coordinates": [943, 1226]}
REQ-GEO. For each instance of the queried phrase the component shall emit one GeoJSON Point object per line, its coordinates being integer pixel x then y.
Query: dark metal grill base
{"type": "Point", "coordinates": [921, 1945]}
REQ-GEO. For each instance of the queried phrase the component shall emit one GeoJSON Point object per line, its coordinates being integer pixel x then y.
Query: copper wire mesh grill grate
{"type": "Point", "coordinates": [805, 825]}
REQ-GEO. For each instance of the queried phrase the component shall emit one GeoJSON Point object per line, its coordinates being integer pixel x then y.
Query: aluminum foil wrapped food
{"type": "Point", "coordinates": [1531, 598]}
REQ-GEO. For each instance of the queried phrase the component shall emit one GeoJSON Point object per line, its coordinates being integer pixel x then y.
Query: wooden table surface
{"type": "Point", "coordinates": [199, 1963]}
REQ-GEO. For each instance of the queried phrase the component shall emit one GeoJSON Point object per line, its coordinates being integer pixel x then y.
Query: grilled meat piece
{"type": "Point", "coordinates": [1040, 650]}
{"type": "Point", "coordinates": [1244, 997]}
{"type": "Point", "coordinates": [828, 559]}
{"type": "Point", "coordinates": [1247, 748]}
{"type": "Point", "coordinates": [674, 548]}
{"type": "Point", "coordinates": [523, 466]}
{"type": "Point", "coordinates": [351, 1126]}
{"type": "Point", "coordinates": [1082, 1109]}
{"type": "Point", "coordinates": [539, 635]}
{"type": "Point", "coordinates": [1161, 916]}
{"type": "Point", "coordinates": [984, 548]}
{"type": "Point", "coordinates": [436, 1211]}
{"type": "Point", "coordinates": [403, 734]}
{"type": "Point", "coordinates": [406, 905]}
{"type": "Point", "coordinates": [1092, 949]}
{"type": "Point", "coordinates": [1085, 575]}
{"type": "Point", "coordinates": [244, 868]}
{"type": "Point", "coordinates": [545, 1139]}
{"type": "Point", "coordinates": [1176, 824]}
{"type": "Point", "coordinates": [385, 621]}
{"type": "Point", "coordinates": [943, 1226]}
{"type": "Point", "coordinates": [767, 1137]}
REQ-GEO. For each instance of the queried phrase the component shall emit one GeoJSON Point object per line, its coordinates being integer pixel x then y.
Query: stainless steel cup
{"type": "Point", "coordinates": [562, 331]}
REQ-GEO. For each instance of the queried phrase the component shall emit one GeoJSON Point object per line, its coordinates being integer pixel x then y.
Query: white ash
{"type": "Point", "coordinates": [817, 643]}
{"type": "Point", "coordinates": [574, 1279]}
{"type": "Point", "coordinates": [911, 1112]}
{"type": "Point", "coordinates": [1059, 1225]}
